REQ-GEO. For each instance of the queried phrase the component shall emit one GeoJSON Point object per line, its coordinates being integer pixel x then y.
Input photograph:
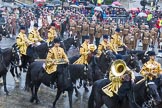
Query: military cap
{"type": "Point", "coordinates": [151, 53]}
{"type": "Point", "coordinates": [117, 30]}
{"type": "Point", "coordinates": [118, 56]}
{"type": "Point", "coordinates": [22, 28]}
{"type": "Point", "coordinates": [36, 25]}
{"type": "Point", "coordinates": [105, 36]}
{"type": "Point", "coordinates": [57, 40]}
{"type": "Point", "coordinates": [52, 24]}
{"type": "Point", "coordinates": [87, 37]}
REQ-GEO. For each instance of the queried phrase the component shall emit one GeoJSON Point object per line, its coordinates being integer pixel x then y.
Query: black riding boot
{"type": "Point", "coordinates": [24, 62]}
{"type": "Point", "coordinates": [52, 81]}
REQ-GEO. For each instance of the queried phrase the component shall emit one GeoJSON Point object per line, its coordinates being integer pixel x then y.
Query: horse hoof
{"type": "Point", "coordinates": [76, 94]}
{"type": "Point", "coordinates": [32, 100]}
{"type": "Point", "coordinates": [37, 101]}
{"type": "Point", "coordinates": [64, 94]}
{"type": "Point", "coordinates": [86, 90]}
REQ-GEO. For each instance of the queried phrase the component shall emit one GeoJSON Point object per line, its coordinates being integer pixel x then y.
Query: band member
{"type": "Point", "coordinates": [84, 51]}
{"type": "Point", "coordinates": [23, 43]}
{"type": "Point", "coordinates": [116, 40]}
{"type": "Point", "coordinates": [92, 31]}
{"type": "Point", "coordinates": [121, 79]}
{"type": "Point", "coordinates": [54, 56]}
{"type": "Point", "coordinates": [55, 53]}
{"type": "Point", "coordinates": [85, 31]}
{"type": "Point", "coordinates": [105, 45]}
{"type": "Point", "coordinates": [51, 33]}
{"type": "Point", "coordinates": [34, 35]}
{"type": "Point", "coordinates": [152, 68]}
{"type": "Point", "coordinates": [98, 34]}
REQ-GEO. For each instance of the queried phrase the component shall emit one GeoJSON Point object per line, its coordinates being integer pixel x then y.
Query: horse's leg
{"type": "Point", "coordinates": [4, 83]}
{"type": "Point", "coordinates": [85, 86]}
{"type": "Point", "coordinates": [36, 91]}
{"type": "Point", "coordinates": [57, 97]}
{"type": "Point", "coordinates": [70, 93]}
{"type": "Point", "coordinates": [32, 92]}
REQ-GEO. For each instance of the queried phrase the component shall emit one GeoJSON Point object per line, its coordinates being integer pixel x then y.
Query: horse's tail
{"type": "Point", "coordinates": [28, 79]}
{"type": "Point", "coordinates": [91, 98]}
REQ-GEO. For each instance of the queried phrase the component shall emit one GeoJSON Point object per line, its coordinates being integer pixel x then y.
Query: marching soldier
{"type": "Point", "coordinates": [84, 51]}
{"type": "Point", "coordinates": [106, 29]}
{"type": "Point", "coordinates": [92, 31]}
{"type": "Point", "coordinates": [72, 26]}
{"type": "Point", "coordinates": [85, 31]}
{"type": "Point", "coordinates": [51, 33]}
{"type": "Point", "coordinates": [104, 45]}
{"type": "Point", "coordinates": [23, 43]}
{"type": "Point", "coordinates": [153, 36]}
{"type": "Point", "coordinates": [79, 28]}
{"type": "Point", "coordinates": [130, 41]}
{"type": "Point", "coordinates": [152, 68]}
{"type": "Point", "coordinates": [98, 34]}
{"type": "Point", "coordinates": [116, 40]}
{"type": "Point", "coordinates": [34, 35]}
{"type": "Point", "coordinates": [146, 40]}
{"type": "Point", "coordinates": [54, 56]}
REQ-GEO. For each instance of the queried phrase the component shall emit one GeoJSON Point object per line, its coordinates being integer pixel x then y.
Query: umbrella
{"type": "Point", "coordinates": [104, 6]}
{"type": "Point", "coordinates": [133, 9]}
{"type": "Point", "coordinates": [142, 14]}
{"type": "Point", "coordinates": [117, 3]}
{"type": "Point", "coordinates": [91, 5]}
{"type": "Point", "coordinates": [98, 9]}
{"type": "Point", "coordinates": [75, 6]}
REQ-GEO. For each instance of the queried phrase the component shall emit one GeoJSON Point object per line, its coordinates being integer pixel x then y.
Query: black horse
{"type": "Point", "coordinates": [105, 60]}
{"type": "Point", "coordinates": [142, 92]}
{"type": "Point", "coordinates": [142, 55]}
{"type": "Point", "coordinates": [65, 77]}
{"type": "Point", "coordinates": [7, 56]}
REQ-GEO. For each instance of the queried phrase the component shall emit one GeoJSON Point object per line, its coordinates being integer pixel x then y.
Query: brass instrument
{"type": "Point", "coordinates": [118, 67]}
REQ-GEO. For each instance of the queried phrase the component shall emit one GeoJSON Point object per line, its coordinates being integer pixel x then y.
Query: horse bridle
{"type": "Point", "coordinates": [14, 51]}
{"type": "Point", "coordinates": [147, 104]}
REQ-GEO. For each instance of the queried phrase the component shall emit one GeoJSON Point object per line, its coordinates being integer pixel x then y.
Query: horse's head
{"type": "Point", "coordinates": [108, 55]}
{"type": "Point", "coordinates": [87, 74]}
{"type": "Point", "coordinates": [16, 56]}
{"type": "Point", "coordinates": [133, 63]}
{"type": "Point", "coordinates": [76, 41]}
{"type": "Point", "coordinates": [152, 92]}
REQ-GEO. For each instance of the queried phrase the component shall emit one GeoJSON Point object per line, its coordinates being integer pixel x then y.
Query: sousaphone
{"type": "Point", "coordinates": [118, 67]}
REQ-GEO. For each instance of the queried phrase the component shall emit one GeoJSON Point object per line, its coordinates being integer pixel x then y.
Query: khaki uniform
{"type": "Point", "coordinates": [55, 53]}
{"type": "Point", "coordinates": [106, 29]}
{"type": "Point", "coordinates": [34, 36]}
{"type": "Point", "coordinates": [151, 67]}
{"type": "Point", "coordinates": [79, 28]}
{"type": "Point", "coordinates": [153, 36]}
{"type": "Point", "coordinates": [84, 54]}
{"type": "Point", "coordinates": [130, 41]}
{"type": "Point", "coordinates": [146, 40]}
{"type": "Point", "coordinates": [73, 26]}
{"type": "Point", "coordinates": [92, 31]}
{"type": "Point", "coordinates": [104, 46]}
{"type": "Point", "coordinates": [99, 33]}
{"type": "Point", "coordinates": [22, 42]}
{"type": "Point", "coordinates": [85, 30]}
{"type": "Point", "coordinates": [51, 35]}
